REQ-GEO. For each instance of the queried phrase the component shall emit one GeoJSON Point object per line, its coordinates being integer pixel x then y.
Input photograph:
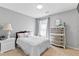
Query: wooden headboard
{"type": "Point", "coordinates": [20, 32]}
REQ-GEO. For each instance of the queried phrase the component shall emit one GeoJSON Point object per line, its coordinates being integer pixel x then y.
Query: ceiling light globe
{"type": "Point", "coordinates": [39, 6]}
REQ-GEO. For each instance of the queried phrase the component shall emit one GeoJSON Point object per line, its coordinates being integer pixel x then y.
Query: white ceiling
{"type": "Point", "coordinates": [31, 10]}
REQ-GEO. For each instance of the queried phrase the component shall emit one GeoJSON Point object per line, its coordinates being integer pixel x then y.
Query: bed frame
{"type": "Point", "coordinates": [17, 35]}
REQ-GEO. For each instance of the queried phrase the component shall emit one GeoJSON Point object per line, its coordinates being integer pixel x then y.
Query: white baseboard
{"type": "Point", "coordinates": [68, 47]}
{"type": "Point", "coordinates": [73, 48]}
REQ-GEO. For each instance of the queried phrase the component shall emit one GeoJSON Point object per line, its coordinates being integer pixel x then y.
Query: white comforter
{"type": "Point", "coordinates": [33, 45]}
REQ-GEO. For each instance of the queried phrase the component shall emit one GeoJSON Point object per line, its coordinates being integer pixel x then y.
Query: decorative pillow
{"type": "Point", "coordinates": [26, 34]}
{"type": "Point", "coordinates": [22, 35]}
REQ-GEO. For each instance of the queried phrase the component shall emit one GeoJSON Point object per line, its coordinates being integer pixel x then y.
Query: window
{"type": "Point", "coordinates": [43, 27]}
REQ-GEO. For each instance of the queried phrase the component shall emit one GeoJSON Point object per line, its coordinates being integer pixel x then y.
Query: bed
{"type": "Point", "coordinates": [33, 45]}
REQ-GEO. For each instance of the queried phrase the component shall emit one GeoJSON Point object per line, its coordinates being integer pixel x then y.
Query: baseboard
{"type": "Point", "coordinates": [68, 47]}
{"type": "Point", "coordinates": [73, 48]}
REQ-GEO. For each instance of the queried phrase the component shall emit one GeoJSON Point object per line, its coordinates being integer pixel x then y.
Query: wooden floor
{"type": "Point", "coordinates": [50, 52]}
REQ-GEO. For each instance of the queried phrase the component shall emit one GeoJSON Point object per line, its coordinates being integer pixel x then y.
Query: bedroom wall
{"type": "Point", "coordinates": [22, 22]}
{"type": "Point", "coordinates": [71, 18]}
{"type": "Point", "coordinates": [19, 21]}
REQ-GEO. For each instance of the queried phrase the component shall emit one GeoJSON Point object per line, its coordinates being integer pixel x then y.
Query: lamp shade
{"type": "Point", "coordinates": [7, 27]}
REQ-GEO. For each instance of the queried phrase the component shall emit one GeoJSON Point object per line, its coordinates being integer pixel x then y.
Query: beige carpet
{"type": "Point", "coordinates": [50, 52]}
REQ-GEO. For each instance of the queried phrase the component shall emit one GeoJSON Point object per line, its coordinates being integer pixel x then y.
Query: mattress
{"type": "Point", "coordinates": [33, 45]}
{"type": "Point", "coordinates": [33, 41]}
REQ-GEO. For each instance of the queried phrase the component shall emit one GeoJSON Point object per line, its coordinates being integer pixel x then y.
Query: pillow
{"type": "Point", "coordinates": [26, 34]}
{"type": "Point", "coordinates": [20, 35]}
{"type": "Point", "coordinates": [23, 35]}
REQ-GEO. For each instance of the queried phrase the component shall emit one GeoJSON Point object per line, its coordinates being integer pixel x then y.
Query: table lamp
{"type": "Point", "coordinates": [8, 28]}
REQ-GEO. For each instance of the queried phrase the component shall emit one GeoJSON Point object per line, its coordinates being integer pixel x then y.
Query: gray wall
{"type": "Point", "coordinates": [71, 18]}
{"type": "Point", "coordinates": [19, 21]}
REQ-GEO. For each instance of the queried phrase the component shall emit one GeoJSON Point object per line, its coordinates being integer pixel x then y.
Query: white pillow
{"type": "Point", "coordinates": [23, 35]}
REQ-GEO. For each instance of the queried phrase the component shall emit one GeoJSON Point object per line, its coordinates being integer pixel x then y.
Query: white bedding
{"type": "Point", "coordinates": [33, 45]}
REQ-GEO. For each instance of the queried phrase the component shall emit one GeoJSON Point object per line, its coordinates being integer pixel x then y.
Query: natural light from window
{"type": "Point", "coordinates": [43, 27]}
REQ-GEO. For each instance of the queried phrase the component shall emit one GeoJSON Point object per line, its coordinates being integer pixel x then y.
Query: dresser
{"type": "Point", "coordinates": [7, 44]}
{"type": "Point", "coordinates": [57, 36]}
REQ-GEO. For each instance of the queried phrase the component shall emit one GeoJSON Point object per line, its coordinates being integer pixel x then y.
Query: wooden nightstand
{"type": "Point", "coordinates": [7, 44]}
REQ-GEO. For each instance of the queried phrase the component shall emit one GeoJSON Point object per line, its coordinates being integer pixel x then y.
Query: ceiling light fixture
{"type": "Point", "coordinates": [39, 6]}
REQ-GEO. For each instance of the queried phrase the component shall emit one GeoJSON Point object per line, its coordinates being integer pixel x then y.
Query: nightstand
{"type": "Point", "coordinates": [7, 44]}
